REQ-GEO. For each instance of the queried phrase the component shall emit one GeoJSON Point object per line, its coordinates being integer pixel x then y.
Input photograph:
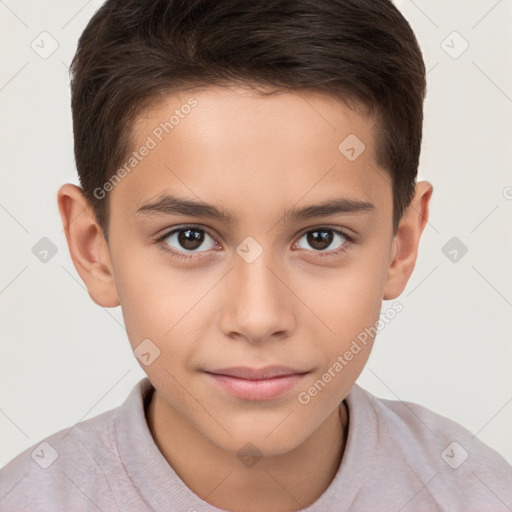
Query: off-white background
{"type": "Point", "coordinates": [65, 359]}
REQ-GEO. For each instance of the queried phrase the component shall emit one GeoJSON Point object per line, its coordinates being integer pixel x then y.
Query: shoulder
{"type": "Point", "coordinates": [453, 464]}
{"type": "Point", "coordinates": [62, 471]}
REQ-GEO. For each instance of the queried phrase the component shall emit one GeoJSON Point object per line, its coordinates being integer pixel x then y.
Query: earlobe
{"type": "Point", "coordinates": [87, 246]}
{"type": "Point", "coordinates": [405, 244]}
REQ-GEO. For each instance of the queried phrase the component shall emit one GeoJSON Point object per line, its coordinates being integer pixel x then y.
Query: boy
{"type": "Point", "coordinates": [249, 198]}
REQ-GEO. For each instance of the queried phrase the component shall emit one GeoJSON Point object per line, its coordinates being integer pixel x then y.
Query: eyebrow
{"type": "Point", "coordinates": [168, 204]}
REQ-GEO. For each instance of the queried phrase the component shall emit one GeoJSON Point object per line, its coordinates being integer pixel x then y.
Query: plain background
{"type": "Point", "coordinates": [65, 359]}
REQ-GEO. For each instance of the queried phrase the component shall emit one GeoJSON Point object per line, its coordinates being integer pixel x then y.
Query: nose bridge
{"type": "Point", "coordinates": [259, 303]}
{"type": "Point", "coordinates": [257, 278]}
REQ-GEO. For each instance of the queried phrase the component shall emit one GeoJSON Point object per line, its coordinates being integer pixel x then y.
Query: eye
{"type": "Point", "coordinates": [189, 239]}
{"type": "Point", "coordinates": [320, 239]}
{"type": "Point", "coordinates": [185, 239]}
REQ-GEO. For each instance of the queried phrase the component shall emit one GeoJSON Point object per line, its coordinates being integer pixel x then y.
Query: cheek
{"type": "Point", "coordinates": [163, 304]}
{"type": "Point", "coordinates": [351, 298]}
{"type": "Point", "coordinates": [148, 300]}
{"type": "Point", "coordinates": [350, 304]}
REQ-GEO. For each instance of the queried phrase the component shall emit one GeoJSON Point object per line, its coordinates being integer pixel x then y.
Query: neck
{"type": "Point", "coordinates": [285, 482]}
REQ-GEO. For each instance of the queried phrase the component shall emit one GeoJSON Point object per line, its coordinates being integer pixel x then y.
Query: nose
{"type": "Point", "coordinates": [259, 304]}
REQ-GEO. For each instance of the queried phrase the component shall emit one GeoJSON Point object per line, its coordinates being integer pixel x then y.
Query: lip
{"type": "Point", "coordinates": [268, 372]}
{"type": "Point", "coordinates": [257, 384]}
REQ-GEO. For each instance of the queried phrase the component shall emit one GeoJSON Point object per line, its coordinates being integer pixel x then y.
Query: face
{"type": "Point", "coordinates": [262, 285]}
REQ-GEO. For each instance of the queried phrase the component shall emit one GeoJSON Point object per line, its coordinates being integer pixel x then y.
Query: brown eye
{"type": "Point", "coordinates": [321, 239]}
{"type": "Point", "coordinates": [188, 239]}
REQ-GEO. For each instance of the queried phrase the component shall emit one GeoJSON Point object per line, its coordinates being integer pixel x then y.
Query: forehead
{"type": "Point", "coordinates": [238, 148]}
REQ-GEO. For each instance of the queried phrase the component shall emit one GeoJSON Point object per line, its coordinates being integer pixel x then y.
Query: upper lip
{"type": "Point", "coordinates": [268, 372]}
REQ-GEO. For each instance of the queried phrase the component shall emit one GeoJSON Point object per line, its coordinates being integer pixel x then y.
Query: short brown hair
{"type": "Point", "coordinates": [135, 51]}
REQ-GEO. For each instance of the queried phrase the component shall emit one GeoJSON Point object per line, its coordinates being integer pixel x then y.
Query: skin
{"type": "Point", "coordinates": [255, 156]}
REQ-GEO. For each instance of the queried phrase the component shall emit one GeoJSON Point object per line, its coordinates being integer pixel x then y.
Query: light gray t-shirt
{"type": "Point", "coordinates": [399, 457]}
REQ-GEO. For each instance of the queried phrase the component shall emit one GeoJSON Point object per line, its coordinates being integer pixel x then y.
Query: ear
{"type": "Point", "coordinates": [87, 246]}
{"type": "Point", "coordinates": [406, 241]}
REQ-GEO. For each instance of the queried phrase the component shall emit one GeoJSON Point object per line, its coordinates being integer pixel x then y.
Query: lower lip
{"type": "Point", "coordinates": [264, 389]}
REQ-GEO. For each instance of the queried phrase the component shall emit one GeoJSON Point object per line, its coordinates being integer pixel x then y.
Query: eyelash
{"type": "Point", "coordinates": [319, 254]}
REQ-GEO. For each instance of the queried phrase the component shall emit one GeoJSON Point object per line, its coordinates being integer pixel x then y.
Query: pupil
{"type": "Point", "coordinates": [320, 241]}
{"type": "Point", "coordinates": [191, 238]}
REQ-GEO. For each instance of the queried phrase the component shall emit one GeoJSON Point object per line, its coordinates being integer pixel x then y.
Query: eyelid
{"type": "Point", "coordinates": [342, 231]}
{"type": "Point", "coordinates": [332, 253]}
{"type": "Point", "coordinates": [349, 240]}
{"type": "Point", "coordinates": [336, 229]}
{"type": "Point", "coordinates": [182, 227]}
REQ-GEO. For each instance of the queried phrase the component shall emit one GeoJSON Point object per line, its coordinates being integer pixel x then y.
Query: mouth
{"type": "Point", "coordinates": [257, 384]}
